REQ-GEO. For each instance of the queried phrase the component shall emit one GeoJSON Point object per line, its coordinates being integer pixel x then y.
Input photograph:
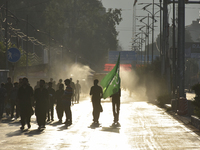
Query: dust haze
{"type": "Point", "coordinates": [139, 88]}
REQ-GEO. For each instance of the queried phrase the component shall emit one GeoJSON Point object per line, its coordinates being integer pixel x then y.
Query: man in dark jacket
{"type": "Point", "coordinates": [116, 106]}
{"type": "Point", "coordinates": [72, 85]}
{"type": "Point", "coordinates": [66, 100]}
{"type": "Point", "coordinates": [51, 102]}
{"type": "Point", "coordinates": [96, 92]}
{"type": "Point", "coordinates": [14, 101]}
{"type": "Point", "coordinates": [77, 91]}
{"type": "Point", "coordinates": [25, 94]}
{"type": "Point", "coordinates": [8, 87]}
{"type": "Point", "coordinates": [59, 105]}
{"type": "Point", "coordinates": [2, 99]}
{"type": "Point", "coordinates": [41, 98]}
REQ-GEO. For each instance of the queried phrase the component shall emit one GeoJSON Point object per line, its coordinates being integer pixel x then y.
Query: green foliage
{"type": "Point", "coordinates": [164, 99]}
{"type": "Point", "coordinates": [188, 37]}
{"type": "Point", "coordinates": [192, 71]}
{"type": "Point", "coordinates": [84, 27]}
{"type": "Point", "coordinates": [20, 63]}
{"type": "Point", "coordinates": [196, 101]}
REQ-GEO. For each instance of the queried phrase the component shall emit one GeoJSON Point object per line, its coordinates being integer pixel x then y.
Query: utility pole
{"type": "Point", "coordinates": [141, 47]}
{"type": "Point", "coordinates": [27, 47]}
{"type": "Point", "coordinates": [6, 34]}
{"type": "Point", "coordinates": [49, 53]}
{"type": "Point", "coordinates": [160, 28]}
{"type": "Point", "coordinates": [148, 40]}
{"type": "Point", "coordinates": [181, 47]}
{"type": "Point", "coordinates": [152, 29]}
{"type": "Point", "coordinates": [145, 48]}
{"type": "Point", "coordinates": [165, 26]}
{"type": "Point", "coordinates": [174, 52]}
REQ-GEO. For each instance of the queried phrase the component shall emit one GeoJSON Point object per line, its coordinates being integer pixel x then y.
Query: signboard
{"type": "Point", "coordinates": [13, 55]}
{"type": "Point", "coordinates": [144, 58]}
{"type": "Point", "coordinates": [123, 67]}
{"type": "Point", "coordinates": [192, 50]}
{"type": "Point", "coordinates": [186, 1]}
{"type": "Point", "coordinates": [126, 57]}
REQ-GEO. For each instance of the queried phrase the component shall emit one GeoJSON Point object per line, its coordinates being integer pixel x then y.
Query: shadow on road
{"type": "Point", "coordinates": [11, 122]}
{"type": "Point", "coordinates": [55, 123]}
{"type": "Point", "coordinates": [64, 127]}
{"type": "Point", "coordinates": [25, 132]}
{"type": "Point", "coordinates": [34, 132]}
{"type": "Point", "coordinates": [111, 129]}
{"type": "Point", "coordinates": [16, 133]}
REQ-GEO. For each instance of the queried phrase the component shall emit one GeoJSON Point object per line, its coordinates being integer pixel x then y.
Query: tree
{"type": "Point", "coordinates": [187, 37]}
{"type": "Point", "coordinates": [85, 27]}
{"type": "Point", "coordinates": [20, 63]}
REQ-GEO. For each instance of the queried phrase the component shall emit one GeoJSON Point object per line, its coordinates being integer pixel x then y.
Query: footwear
{"type": "Point", "coordinates": [52, 119]}
{"type": "Point", "coordinates": [39, 128]}
{"type": "Point", "coordinates": [22, 127]}
{"type": "Point", "coordinates": [29, 126]}
{"type": "Point", "coordinates": [118, 124]}
{"type": "Point", "coordinates": [96, 124]}
{"type": "Point", "coordinates": [60, 121]}
{"type": "Point", "coordinates": [48, 120]}
{"type": "Point", "coordinates": [69, 124]}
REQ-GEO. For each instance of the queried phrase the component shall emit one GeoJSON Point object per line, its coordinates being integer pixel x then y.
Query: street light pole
{"type": "Point", "coordinates": [181, 47]}
{"type": "Point", "coordinates": [141, 47]}
{"type": "Point", "coordinates": [6, 34]}
{"type": "Point", "coordinates": [160, 29]}
{"type": "Point", "coordinates": [148, 40]}
{"type": "Point", "coordinates": [49, 53]}
{"type": "Point", "coordinates": [152, 29]}
{"type": "Point", "coordinates": [174, 52]}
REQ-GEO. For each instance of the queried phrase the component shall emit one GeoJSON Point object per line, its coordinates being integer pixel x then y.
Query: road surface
{"type": "Point", "coordinates": [144, 126]}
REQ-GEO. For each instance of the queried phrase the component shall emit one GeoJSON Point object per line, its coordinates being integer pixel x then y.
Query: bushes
{"type": "Point", "coordinates": [164, 99]}
{"type": "Point", "coordinates": [196, 101]}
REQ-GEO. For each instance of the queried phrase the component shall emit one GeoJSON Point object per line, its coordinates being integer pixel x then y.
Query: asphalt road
{"type": "Point", "coordinates": [144, 126]}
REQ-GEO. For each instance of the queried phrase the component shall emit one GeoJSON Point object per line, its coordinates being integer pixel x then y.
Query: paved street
{"type": "Point", "coordinates": [144, 126]}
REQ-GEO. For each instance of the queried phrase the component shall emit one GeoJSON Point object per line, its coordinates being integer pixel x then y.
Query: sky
{"type": "Point", "coordinates": [125, 27]}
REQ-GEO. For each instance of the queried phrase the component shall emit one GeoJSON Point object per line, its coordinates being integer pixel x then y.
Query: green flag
{"type": "Point", "coordinates": [111, 82]}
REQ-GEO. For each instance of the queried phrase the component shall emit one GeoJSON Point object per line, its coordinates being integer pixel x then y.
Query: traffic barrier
{"type": "Point", "coordinates": [182, 106]}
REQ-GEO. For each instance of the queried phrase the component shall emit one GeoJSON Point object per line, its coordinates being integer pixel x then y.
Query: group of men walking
{"type": "Point", "coordinates": [43, 98]}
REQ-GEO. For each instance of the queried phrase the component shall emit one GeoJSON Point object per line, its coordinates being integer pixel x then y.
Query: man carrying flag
{"type": "Point", "coordinates": [111, 87]}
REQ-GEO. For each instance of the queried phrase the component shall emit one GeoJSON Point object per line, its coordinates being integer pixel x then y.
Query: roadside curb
{"type": "Point", "coordinates": [195, 121]}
